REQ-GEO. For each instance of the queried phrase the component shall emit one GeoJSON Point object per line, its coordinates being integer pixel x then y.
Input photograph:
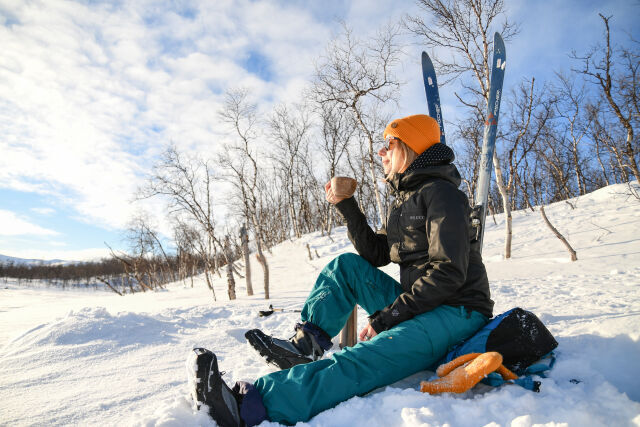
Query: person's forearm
{"type": "Point", "coordinates": [370, 245]}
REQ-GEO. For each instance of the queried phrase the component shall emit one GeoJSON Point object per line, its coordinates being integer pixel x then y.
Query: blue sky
{"type": "Point", "coordinates": [91, 92]}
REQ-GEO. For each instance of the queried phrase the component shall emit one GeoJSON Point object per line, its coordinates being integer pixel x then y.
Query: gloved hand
{"type": "Point", "coordinates": [340, 188]}
{"type": "Point", "coordinates": [464, 372]}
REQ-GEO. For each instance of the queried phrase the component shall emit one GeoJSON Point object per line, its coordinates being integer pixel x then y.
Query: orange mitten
{"type": "Point", "coordinates": [464, 372]}
{"type": "Point", "coordinates": [443, 370]}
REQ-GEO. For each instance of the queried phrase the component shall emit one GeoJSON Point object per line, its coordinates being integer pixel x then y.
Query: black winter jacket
{"type": "Point", "coordinates": [429, 234]}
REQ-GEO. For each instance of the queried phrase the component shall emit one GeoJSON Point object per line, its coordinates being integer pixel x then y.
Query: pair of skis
{"type": "Point", "coordinates": [490, 127]}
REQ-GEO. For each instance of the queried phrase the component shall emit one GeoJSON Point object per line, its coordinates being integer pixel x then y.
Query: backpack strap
{"type": "Point", "coordinates": [495, 380]}
{"type": "Point", "coordinates": [540, 368]}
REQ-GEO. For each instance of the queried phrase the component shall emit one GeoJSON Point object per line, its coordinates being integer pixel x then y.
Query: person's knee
{"type": "Point", "coordinates": [342, 267]}
{"type": "Point", "coordinates": [348, 259]}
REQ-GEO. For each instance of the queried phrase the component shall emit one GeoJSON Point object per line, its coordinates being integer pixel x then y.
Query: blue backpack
{"type": "Point", "coordinates": [525, 344]}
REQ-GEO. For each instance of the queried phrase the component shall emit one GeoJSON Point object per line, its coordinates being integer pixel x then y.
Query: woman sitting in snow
{"type": "Point", "coordinates": [442, 298]}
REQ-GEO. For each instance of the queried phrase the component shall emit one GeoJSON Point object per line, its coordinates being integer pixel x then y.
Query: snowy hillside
{"type": "Point", "coordinates": [95, 358]}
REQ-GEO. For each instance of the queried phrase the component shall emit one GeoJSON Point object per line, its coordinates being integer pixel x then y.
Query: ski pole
{"type": "Point", "coordinates": [265, 313]}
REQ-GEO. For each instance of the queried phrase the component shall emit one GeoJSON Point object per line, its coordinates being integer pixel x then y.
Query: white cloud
{"type": "Point", "coordinates": [92, 93]}
{"type": "Point", "coordinates": [43, 211]}
{"type": "Point", "coordinates": [12, 225]}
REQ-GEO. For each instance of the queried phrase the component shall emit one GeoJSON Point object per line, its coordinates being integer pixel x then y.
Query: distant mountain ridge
{"type": "Point", "coordinates": [5, 259]}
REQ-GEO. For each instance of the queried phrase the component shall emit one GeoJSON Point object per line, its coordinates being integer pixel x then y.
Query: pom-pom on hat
{"type": "Point", "coordinates": [419, 131]}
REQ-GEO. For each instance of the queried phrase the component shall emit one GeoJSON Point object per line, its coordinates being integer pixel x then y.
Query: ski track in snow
{"type": "Point", "coordinates": [94, 358]}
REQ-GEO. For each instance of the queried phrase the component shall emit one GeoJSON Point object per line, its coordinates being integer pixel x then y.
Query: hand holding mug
{"type": "Point", "coordinates": [340, 188]}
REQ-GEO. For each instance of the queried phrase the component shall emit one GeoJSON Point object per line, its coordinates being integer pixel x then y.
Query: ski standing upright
{"type": "Point", "coordinates": [489, 141]}
{"type": "Point", "coordinates": [433, 96]}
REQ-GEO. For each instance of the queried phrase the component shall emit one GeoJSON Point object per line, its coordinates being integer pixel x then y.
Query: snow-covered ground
{"type": "Point", "coordinates": [94, 358]}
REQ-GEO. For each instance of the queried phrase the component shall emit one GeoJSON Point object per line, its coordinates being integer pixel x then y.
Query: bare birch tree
{"type": "Point", "coordinates": [540, 194]}
{"type": "Point", "coordinates": [187, 185]}
{"type": "Point", "coordinates": [185, 237]}
{"type": "Point", "coordinates": [530, 113]}
{"type": "Point", "coordinates": [337, 130]}
{"type": "Point", "coordinates": [240, 160]}
{"type": "Point", "coordinates": [352, 75]}
{"type": "Point", "coordinates": [289, 127]}
{"type": "Point", "coordinates": [620, 90]}
{"type": "Point", "coordinates": [571, 109]}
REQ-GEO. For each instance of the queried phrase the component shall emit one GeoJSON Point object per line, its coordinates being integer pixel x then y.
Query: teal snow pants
{"type": "Point", "coordinates": [299, 393]}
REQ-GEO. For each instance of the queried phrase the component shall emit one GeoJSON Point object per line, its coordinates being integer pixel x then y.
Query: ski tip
{"type": "Point", "coordinates": [426, 60]}
{"type": "Point", "coordinates": [498, 44]}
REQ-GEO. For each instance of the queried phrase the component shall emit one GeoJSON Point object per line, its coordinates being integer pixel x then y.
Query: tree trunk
{"type": "Point", "coordinates": [349, 333]}
{"type": "Point", "coordinates": [506, 204]}
{"type": "Point", "coordinates": [244, 237]}
{"type": "Point", "coordinates": [629, 152]}
{"type": "Point", "coordinates": [614, 171]}
{"type": "Point", "coordinates": [130, 283]}
{"type": "Point", "coordinates": [294, 222]}
{"type": "Point", "coordinates": [574, 256]}
{"type": "Point", "coordinates": [580, 181]}
{"type": "Point", "coordinates": [193, 271]}
{"type": "Point", "coordinates": [207, 277]}
{"type": "Point", "coordinates": [620, 161]}
{"type": "Point", "coordinates": [265, 268]}
{"type": "Point", "coordinates": [231, 282]}
{"type": "Point", "coordinates": [375, 186]}
{"type": "Point", "coordinates": [261, 258]}
{"type": "Point", "coordinates": [106, 282]}
{"type": "Point", "coordinates": [509, 232]}
{"type": "Point", "coordinates": [604, 170]}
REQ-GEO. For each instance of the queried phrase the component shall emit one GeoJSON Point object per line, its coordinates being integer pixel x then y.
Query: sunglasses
{"type": "Point", "coordinates": [387, 144]}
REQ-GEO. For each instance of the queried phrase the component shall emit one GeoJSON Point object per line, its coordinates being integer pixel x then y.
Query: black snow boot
{"type": "Point", "coordinates": [208, 388]}
{"type": "Point", "coordinates": [308, 344]}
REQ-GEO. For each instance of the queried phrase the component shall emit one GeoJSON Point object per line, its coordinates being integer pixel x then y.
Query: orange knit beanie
{"type": "Point", "coordinates": [418, 131]}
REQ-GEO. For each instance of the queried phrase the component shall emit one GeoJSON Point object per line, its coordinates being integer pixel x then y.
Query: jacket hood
{"type": "Point", "coordinates": [433, 163]}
